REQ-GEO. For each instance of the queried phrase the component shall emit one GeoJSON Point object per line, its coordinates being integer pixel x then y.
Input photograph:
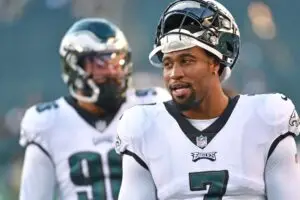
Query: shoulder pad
{"type": "Point", "coordinates": [37, 120]}
{"type": "Point", "coordinates": [279, 111]}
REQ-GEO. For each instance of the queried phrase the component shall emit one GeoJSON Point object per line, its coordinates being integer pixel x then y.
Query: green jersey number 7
{"type": "Point", "coordinates": [216, 181]}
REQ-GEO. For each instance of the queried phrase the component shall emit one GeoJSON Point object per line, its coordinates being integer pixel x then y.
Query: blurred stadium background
{"type": "Point", "coordinates": [30, 33]}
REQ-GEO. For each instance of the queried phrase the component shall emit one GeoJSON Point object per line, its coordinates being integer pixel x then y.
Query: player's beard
{"type": "Point", "coordinates": [110, 98]}
{"type": "Point", "coordinates": [190, 103]}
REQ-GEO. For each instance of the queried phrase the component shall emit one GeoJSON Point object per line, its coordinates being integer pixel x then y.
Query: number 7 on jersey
{"type": "Point", "coordinates": [215, 180]}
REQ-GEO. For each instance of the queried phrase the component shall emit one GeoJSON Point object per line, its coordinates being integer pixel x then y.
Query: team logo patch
{"type": "Point", "coordinates": [118, 144]}
{"type": "Point", "coordinates": [294, 122]}
{"type": "Point", "coordinates": [201, 141]}
{"type": "Point", "coordinates": [202, 155]}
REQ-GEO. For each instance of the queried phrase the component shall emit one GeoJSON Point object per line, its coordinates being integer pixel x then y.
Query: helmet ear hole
{"type": "Point", "coordinates": [229, 47]}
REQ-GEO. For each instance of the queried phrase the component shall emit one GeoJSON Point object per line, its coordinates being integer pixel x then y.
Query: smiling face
{"type": "Point", "coordinates": [189, 75]}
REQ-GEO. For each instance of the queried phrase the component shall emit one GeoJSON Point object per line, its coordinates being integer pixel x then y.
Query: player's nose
{"type": "Point", "coordinates": [176, 72]}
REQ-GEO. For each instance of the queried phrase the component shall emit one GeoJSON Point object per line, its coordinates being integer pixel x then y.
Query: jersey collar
{"type": "Point", "coordinates": [94, 120]}
{"type": "Point", "coordinates": [201, 138]}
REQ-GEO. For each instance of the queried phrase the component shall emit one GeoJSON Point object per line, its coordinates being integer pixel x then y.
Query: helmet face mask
{"type": "Point", "coordinates": [96, 61]}
{"type": "Point", "coordinates": [203, 23]}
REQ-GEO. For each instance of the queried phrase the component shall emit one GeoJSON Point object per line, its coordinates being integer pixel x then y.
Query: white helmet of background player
{"type": "Point", "coordinates": [204, 23]}
{"type": "Point", "coordinates": [103, 42]}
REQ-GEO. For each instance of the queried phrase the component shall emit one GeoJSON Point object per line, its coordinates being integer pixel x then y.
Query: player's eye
{"type": "Point", "coordinates": [167, 64]}
{"type": "Point", "coordinates": [186, 61]}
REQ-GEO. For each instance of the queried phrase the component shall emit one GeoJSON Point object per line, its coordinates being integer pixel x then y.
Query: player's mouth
{"type": "Point", "coordinates": [180, 90]}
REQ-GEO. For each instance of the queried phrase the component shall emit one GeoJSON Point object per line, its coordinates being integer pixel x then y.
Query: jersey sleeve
{"type": "Point", "coordinates": [280, 113]}
{"type": "Point", "coordinates": [137, 182]}
{"type": "Point", "coordinates": [282, 172]}
{"type": "Point", "coordinates": [281, 118]}
{"type": "Point", "coordinates": [130, 130]}
{"type": "Point", "coordinates": [38, 176]}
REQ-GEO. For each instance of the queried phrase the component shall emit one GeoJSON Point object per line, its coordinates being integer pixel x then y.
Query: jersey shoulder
{"type": "Point", "coordinates": [277, 111]}
{"type": "Point", "coordinates": [134, 123]}
{"type": "Point", "coordinates": [38, 120]}
{"type": "Point", "coordinates": [147, 95]}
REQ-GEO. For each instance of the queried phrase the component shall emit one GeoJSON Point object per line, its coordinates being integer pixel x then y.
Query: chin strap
{"type": "Point", "coordinates": [225, 74]}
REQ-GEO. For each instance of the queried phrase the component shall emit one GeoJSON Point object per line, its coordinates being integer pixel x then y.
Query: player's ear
{"type": "Point", "coordinates": [214, 67]}
{"type": "Point", "coordinates": [214, 63]}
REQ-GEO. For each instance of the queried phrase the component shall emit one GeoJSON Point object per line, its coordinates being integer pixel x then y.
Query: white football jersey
{"type": "Point", "coordinates": [226, 160]}
{"type": "Point", "coordinates": [85, 161]}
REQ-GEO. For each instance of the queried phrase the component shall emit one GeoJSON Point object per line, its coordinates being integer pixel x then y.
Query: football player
{"type": "Point", "coordinates": [69, 142]}
{"type": "Point", "coordinates": [203, 144]}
